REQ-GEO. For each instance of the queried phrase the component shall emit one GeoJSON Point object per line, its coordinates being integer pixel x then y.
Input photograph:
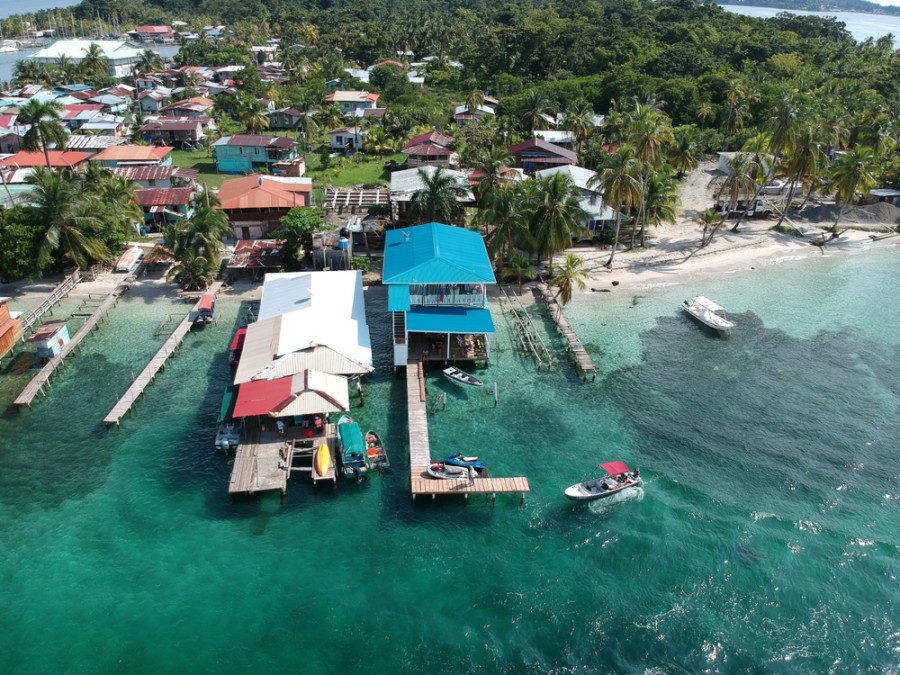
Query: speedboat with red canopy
{"type": "Point", "coordinates": [618, 479]}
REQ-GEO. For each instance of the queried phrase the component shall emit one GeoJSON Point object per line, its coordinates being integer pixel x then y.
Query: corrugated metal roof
{"type": "Point", "coordinates": [449, 320]}
{"type": "Point", "coordinates": [398, 298]}
{"type": "Point", "coordinates": [409, 181]}
{"type": "Point", "coordinates": [259, 349]}
{"type": "Point", "coordinates": [436, 254]}
{"type": "Point", "coordinates": [303, 394]}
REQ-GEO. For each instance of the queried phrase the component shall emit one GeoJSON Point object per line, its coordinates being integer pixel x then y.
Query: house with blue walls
{"type": "Point", "coordinates": [438, 277]}
{"type": "Point", "coordinates": [245, 153]}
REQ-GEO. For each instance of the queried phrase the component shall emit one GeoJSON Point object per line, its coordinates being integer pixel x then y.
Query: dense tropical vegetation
{"type": "Point", "coordinates": [675, 80]}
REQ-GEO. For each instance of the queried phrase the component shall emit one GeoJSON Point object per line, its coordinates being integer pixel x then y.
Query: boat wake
{"type": "Point", "coordinates": [603, 506]}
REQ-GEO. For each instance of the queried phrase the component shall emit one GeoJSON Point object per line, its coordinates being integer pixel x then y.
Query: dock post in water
{"type": "Point", "coordinates": [157, 363]}
{"type": "Point", "coordinates": [583, 362]}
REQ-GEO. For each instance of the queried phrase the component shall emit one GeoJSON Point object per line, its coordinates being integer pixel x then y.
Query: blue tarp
{"type": "Point", "coordinates": [449, 320]}
{"type": "Point", "coordinates": [351, 438]}
{"type": "Point", "coordinates": [398, 298]}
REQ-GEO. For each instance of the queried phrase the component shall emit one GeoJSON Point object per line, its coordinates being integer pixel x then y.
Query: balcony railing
{"type": "Point", "coordinates": [447, 300]}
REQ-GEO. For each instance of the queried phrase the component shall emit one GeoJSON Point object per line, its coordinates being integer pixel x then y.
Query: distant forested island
{"type": "Point", "coordinates": [860, 6]}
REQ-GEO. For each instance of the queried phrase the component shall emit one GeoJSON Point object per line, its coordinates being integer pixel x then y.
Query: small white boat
{"type": "Point", "coordinates": [447, 471]}
{"type": "Point", "coordinates": [228, 436]}
{"type": "Point", "coordinates": [461, 377]}
{"type": "Point", "coordinates": [618, 479]}
{"type": "Point", "coordinates": [704, 310]}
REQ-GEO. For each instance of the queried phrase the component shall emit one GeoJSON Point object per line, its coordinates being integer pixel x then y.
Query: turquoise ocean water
{"type": "Point", "coordinates": [766, 538]}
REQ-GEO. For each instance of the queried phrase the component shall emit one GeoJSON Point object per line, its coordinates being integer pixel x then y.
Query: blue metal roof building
{"type": "Point", "coordinates": [437, 277]}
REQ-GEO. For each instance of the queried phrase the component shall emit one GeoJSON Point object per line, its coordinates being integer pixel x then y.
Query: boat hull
{"type": "Point", "coordinates": [461, 377]}
{"type": "Point", "coordinates": [376, 455]}
{"type": "Point", "coordinates": [323, 460]}
{"type": "Point", "coordinates": [589, 491]}
{"type": "Point", "coordinates": [443, 472]}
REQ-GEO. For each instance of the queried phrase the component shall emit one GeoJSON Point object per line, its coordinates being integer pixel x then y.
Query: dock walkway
{"type": "Point", "coordinates": [583, 361]}
{"type": "Point", "coordinates": [63, 288]}
{"type": "Point", "coordinates": [124, 404]}
{"type": "Point", "coordinates": [264, 460]}
{"type": "Point", "coordinates": [420, 451]}
{"type": "Point", "coordinates": [41, 380]}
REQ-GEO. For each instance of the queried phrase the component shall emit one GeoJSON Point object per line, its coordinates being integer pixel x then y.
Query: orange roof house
{"type": "Point", "coordinates": [59, 159]}
{"type": "Point", "coordinates": [255, 203]}
{"type": "Point", "coordinates": [145, 155]}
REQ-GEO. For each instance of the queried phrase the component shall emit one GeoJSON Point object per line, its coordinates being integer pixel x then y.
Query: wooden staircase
{"type": "Point", "coordinates": [399, 328]}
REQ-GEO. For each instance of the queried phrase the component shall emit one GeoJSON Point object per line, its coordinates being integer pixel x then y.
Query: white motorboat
{"type": "Point", "coordinates": [448, 471]}
{"type": "Point", "coordinates": [461, 377]}
{"type": "Point", "coordinates": [704, 310]}
{"type": "Point", "coordinates": [228, 437]}
{"type": "Point", "coordinates": [618, 479]}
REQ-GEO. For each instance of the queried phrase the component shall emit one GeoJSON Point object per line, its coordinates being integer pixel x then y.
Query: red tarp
{"type": "Point", "coordinates": [206, 304]}
{"type": "Point", "coordinates": [614, 468]}
{"type": "Point", "coordinates": [259, 397]}
{"type": "Point", "coordinates": [238, 341]}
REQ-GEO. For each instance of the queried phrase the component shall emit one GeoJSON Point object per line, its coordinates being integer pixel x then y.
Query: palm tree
{"type": "Point", "coordinates": [505, 222]}
{"type": "Point", "coordinates": [474, 100]}
{"type": "Point", "coordinates": [256, 120]}
{"type": "Point", "coordinates": [534, 107]}
{"type": "Point", "coordinates": [94, 63]}
{"type": "Point", "coordinates": [568, 276]}
{"type": "Point", "coordinates": [804, 160]}
{"type": "Point", "coordinates": [27, 71]}
{"type": "Point", "coordinates": [620, 187]}
{"type": "Point", "coordinates": [493, 165]}
{"type": "Point", "coordinates": [518, 267]}
{"type": "Point", "coordinates": [150, 62]}
{"type": "Point", "coordinates": [660, 200]}
{"type": "Point", "coordinates": [45, 126]}
{"type": "Point", "coordinates": [580, 121]}
{"type": "Point", "coordinates": [554, 213]}
{"type": "Point", "coordinates": [69, 216]}
{"type": "Point", "coordinates": [439, 198]}
{"type": "Point", "coordinates": [852, 172]}
{"type": "Point", "coordinates": [124, 214]}
{"type": "Point", "coordinates": [332, 117]}
{"type": "Point", "coordinates": [704, 112]}
{"type": "Point", "coordinates": [684, 153]}
{"type": "Point", "coordinates": [738, 184]}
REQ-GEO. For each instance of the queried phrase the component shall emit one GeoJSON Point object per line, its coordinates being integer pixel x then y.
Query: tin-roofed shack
{"type": "Point", "coordinates": [256, 257]}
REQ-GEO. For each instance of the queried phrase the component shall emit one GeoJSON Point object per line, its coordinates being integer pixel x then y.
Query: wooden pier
{"type": "Point", "coordinates": [529, 340]}
{"type": "Point", "coordinates": [265, 460]}
{"type": "Point", "coordinates": [41, 380]}
{"type": "Point", "coordinates": [56, 296]}
{"type": "Point", "coordinates": [157, 363]}
{"type": "Point", "coordinates": [577, 352]}
{"type": "Point", "coordinates": [420, 451]}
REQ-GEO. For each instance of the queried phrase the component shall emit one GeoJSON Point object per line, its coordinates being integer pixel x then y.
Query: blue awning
{"type": "Point", "coordinates": [449, 320]}
{"type": "Point", "coordinates": [398, 298]}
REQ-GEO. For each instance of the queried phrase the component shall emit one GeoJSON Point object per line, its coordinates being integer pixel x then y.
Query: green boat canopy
{"type": "Point", "coordinates": [351, 438]}
{"type": "Point", "coordinates": [228, 401]}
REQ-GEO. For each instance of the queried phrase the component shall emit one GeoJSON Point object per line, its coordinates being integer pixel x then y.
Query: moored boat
{"type": "Point", "coordinates": [704, 310]}
{"type": "Point", "coordinates": [460, 459]}
{"type": "Point", "coordinates": [458, 376]}
{"type": "Point", "coordinates": [618, 479]}
{"type": "Point", "coordinates": [237, 347]}
{"type": "Point", "coordinates": [376, 455]}
{"type": "Point", "coordinates": [228, 435]}
{"type": "Point", "coordinates": [206, 309]}
{"type": "Point", "coordinates": [449, 472]}
{"type": "Point", "coordinates": [352, 449]}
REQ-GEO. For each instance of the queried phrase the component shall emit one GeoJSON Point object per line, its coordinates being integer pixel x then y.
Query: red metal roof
{"type": "Point", "coordinates": [58, 159]}
{"type": "Point", "coordinates": [249, 253]}
{"type": "Point", "coordinates": [538, 144]}
{"type": "Point", "coordinates": [47, 330]}
{"type": "Point", "coordinates": [136, 173]}
{"type": "Point", "coordinates": [163, 196]}
{"type": "Point", "coordinates": [261, 192]}
{"type": "Point", "coordinates": [248, 140]}
{"type": "Point", "coordinates": [258, 397]}
{"type": "Point", "coordinates": [171, 124]}
{"type": "Point", "coordinates": [434, 137]}
{"type": "Point", "coordinates": [427, 150]}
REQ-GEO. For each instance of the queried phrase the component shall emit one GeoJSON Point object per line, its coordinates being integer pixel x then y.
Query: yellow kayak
{"type": "Point", "coordinates": [323, 459]}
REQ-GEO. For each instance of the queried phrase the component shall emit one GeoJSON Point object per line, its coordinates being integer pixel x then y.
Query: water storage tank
{"type": "Point", "coordinates": [343, 244]}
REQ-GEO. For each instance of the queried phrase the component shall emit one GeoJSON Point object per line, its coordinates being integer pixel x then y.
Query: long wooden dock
{"type": "Point", "coordinates": [420, 451]}
{"type": "Point", "coordinates": [124, 404]}
{"type": "Point", "coordinates": [583, 361]}
{"type": "Point", "coordinates": [41, 380]}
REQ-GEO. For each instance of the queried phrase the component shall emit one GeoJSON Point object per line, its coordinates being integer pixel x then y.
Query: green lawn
{"type": "Point", "coordinates": [204, 164]}
{"type": "Point", "coordinates": [359, 170]}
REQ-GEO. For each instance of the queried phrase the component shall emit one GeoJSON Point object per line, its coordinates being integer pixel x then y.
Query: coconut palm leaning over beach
{"type": "Point", "coordinates": [568, 276]}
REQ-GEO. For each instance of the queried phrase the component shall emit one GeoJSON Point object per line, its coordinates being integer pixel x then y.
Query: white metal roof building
{"type": "Point", "coordinates": [404, 184]}
{"type": "Point", "coordinates": [308, 321]}
{"type": "Point", "coordinates": [121, 57]}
